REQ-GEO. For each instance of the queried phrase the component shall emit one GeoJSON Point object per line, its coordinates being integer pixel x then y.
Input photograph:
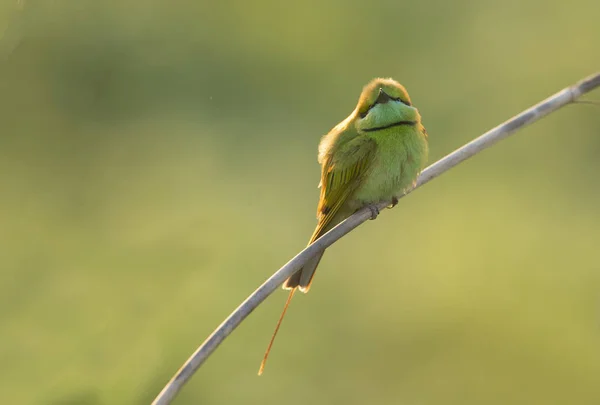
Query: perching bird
{"type": "Point", "coordinates": [372, 156]}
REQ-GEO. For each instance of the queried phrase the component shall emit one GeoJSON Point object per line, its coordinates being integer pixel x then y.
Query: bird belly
{"type": "Point", "coordinates": [399, 159]}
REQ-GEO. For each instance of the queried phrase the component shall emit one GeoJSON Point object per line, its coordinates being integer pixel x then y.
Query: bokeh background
{"type": "Point", "coordinates": [158, 162]}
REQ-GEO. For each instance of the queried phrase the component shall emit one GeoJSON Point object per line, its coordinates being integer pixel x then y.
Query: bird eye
{"type": "Point", "coordinates": [402, 101]}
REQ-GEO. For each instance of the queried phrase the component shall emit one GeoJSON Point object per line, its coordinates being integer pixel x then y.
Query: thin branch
{"type": "Point", "coordinates": [552, 103]}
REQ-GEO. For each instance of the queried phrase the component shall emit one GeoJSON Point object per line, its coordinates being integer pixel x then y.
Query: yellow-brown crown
{"type": "Point", "coordinates": [371, 93]}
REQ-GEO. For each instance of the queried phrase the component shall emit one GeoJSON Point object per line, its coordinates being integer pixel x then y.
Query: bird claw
{"type": "Point", "coordinates": [394, 202]}
{"type": "Point", "coordinates": [374, 211]}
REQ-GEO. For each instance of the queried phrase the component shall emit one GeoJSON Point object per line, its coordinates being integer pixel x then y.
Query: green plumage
{"type": "Point", "coordinates": [372, 156]}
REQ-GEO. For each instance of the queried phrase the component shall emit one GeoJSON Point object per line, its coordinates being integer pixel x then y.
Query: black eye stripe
{"type": "Point", "coordinates": [364, 114]}
{"type": "Point", "coordinates": [402, 101]}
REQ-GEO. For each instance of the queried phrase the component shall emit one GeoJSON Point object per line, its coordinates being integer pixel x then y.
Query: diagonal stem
{"type": "Point", "coordinates": [532, 114]}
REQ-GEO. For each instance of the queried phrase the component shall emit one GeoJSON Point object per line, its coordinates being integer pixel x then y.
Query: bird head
{"type": "Point", "coordinates": [384, 103]}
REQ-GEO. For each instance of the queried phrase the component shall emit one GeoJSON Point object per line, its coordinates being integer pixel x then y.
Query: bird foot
{"type": "Point", "coordinates": [374, 211]}
{"type": "Point", "coordinates": [394, 202]}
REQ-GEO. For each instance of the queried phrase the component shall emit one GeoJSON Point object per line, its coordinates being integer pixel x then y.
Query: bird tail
{"type": "Point", "coordinates": [264, 360]}
{"type": "Point", "coordinates": [300, 280]}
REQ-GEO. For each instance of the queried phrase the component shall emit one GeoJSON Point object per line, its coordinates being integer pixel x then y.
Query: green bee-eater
{"type": "Point", "coordinates": [374, 155]}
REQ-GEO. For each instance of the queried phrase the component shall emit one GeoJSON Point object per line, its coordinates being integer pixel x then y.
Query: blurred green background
{"type": "Point", "coordinates": [158, 162]}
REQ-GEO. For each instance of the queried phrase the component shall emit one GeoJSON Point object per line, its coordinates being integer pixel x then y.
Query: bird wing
{"type": "Point", "coordinates": [341, 174]}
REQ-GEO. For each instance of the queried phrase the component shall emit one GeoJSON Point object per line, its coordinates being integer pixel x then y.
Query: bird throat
{"type": "Point", "coordinates": [393, 124]}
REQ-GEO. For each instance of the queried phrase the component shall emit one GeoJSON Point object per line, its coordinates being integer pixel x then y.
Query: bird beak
{"type": "Point", "coordinates": [382, 98]}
